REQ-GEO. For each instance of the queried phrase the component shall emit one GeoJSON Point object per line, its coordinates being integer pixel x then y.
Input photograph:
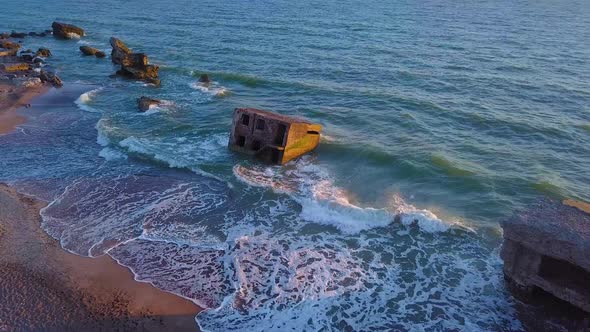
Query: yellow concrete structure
{"type": "Point", "coordinates": [272, 137]}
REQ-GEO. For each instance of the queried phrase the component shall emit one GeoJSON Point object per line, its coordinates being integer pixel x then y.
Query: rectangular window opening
{"type": "Point", "coordinates": [256, 145]}
{"type": "Point", "coordinates": [260, 124]}
{"type": "Point", "coordinates": [280, 136]}
{"type": "Point", "coordinates": [241, 141]}
{"type": "Point", "coordinates": [245, 119]}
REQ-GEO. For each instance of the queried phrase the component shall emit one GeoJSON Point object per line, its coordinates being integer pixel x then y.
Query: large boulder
{"type": "Point", "coordinates": [133, 65]}
{"type": "Point", "coordinates": [66, 31]}
{"type": "Point", "coordinates": [120, 50]}
{"type": "Point", "coordinates": [144, 103]}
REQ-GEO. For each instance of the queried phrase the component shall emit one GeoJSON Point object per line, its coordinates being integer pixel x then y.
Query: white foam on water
{"type": "Point", "coordinates": [111, 154]}
{"type": "Point", "coordinates": [324, 202]}
{"type": "Point", "coordinates": [85, 100]}
{"type": "Point", "coordinates": [212, 89]}
{"type": "Point", "coordinates": [177, 152]}
{"type": "Point", "coordinates": [164, 106]}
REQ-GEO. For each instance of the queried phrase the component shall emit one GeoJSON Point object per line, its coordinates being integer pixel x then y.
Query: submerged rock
{"type": "Point", "coordinates": [15, 34]}
{"type": "Point", "coordinates": [66, 31]}
{"type": "Point", "coordinates": [144, 103]}
{"type": "Point", "coordinates": [547, 247]}
{"type": "Point", "coordinates": [204, 78]}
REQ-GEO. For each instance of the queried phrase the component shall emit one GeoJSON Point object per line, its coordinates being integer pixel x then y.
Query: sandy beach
{"type": "Point", "coordinates": [50, 288]}
{"type": "Point", "coordinates": [11, 99]}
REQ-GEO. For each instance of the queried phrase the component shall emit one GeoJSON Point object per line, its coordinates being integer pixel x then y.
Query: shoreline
{"type": "Point", "coordinates": [59, 290]}
{"type": "Point", "coordinates": [12, 98]}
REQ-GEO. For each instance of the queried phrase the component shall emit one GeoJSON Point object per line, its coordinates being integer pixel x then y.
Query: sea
{"type": "Point", "coordinates": [440, 119]}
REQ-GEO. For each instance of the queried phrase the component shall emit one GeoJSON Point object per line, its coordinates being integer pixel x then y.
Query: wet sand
{"type": "Point", "coordinates": [11, 99]}
{"type": "Point", "coordinates": [45, 287]}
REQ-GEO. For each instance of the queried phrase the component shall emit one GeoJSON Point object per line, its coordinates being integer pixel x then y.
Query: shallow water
{"type": "Point", "coordinates": [449, 115]}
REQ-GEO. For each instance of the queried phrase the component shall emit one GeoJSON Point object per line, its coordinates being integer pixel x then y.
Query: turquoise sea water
{"type": "Point", "coordinates": [451, 115]}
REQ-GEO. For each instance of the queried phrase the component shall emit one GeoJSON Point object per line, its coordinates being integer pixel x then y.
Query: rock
{"type": "Point", "coordinates": [27, 57]}
{"type": "Point", "coordinates": [144, 103]}
{"type": "Point", "coordinates": [133, 65]}
{"type": "Point", "coordinates": [44, 52]}
{"type": "Point", "coordinates": [38, 60]}
{"type": "Point", "coordinates": [26, 51]}
{"type": "Point", "coordinates": [12, 67]}
{"type": "Point", "coordinates": [100, 54]}
{"type": "Point", "coordinates": [547, 247]}
{"type": "Point", "coordinates": [120, 50]}
{"type": "Point", "coordinates": [204, 78]}
{"type": "Point", "coordinates": [15, 34]}
{"type": "Point", "coordinates": [7, 44]}
{"type": "Point", "coordinates": [4, 35]}
{"type": "Point", "coordinates": [66, 31]}
{"type": "Point", "coordinates": [42, 34]}
{"type": "Point", "coordinates": [87, 50]}
{"type": "Point", "coordinates": [53, 79]}
{"type": "Point", "coordinates": [264, 134]}
{"type": "Point", "coordinates": [48, 31]}
{"type": "Point", "coordinates": [11, 52]}
{"type": "Point", "coordinates": [33, 34]}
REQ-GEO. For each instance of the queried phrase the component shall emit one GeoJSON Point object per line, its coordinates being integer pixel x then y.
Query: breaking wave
{"type": "Point", "coordinates": [325, 203]}
{"type": "Point", "coordinates": [85, 100]}
{"type": "Point", "coordinates": [213, 89]}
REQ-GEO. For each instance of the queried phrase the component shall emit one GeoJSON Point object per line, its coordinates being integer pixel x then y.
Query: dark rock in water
{"type": "Point", "coordinates": [15, 34]}
{"type": "Point", "coordinates": [134, 60]}
{"type": "Point", "coordinates": [120, 50]}
{"type": "Point", "coordinates": [87, 50]}
{"type": "Point", "coordinates": [33, 34]}
{"type": "Point", "coordinates": [26, 51]}
{"type": "Point", "coordinates": [66, 31]}
{"type": "Point", "coordinates": [27, 57]}
{"type": "Point", "coordinates": [204, 78]}
{"type": "Point", "coordinates": [44, 52]}
{"type": "Point", "coordinates": [144, 103]}
{"type": "Point", "coordinates": [48, 31]}
{"type": "Point", "coordinates": [4, 35]}
{"type": "Point", "coordinates": [100, 54]}
{"type": "Point", "coordinates": [133, 65]}
{"type": "Point", "coordinates": [7, 44]}
{"type": "Point", "coordinates": [42, 34]}
{"type": "Point", "coordinates": [38, 60]}
{"type": "Point", "coordinates": [547, 247]}
{"type": "Point", "coordinates": [53, 79]}
{"type": "Point", "coordinates": [147, 73]}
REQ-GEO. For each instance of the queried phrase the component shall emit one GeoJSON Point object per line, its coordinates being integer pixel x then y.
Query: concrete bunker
{"type": "Point", "coordinates": [547, 247]}
{"type": "Point", "coordinates": [272, 137]}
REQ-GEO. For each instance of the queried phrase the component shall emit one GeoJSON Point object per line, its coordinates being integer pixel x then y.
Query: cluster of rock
{"type": "Point", "coordinates": [24, 68]}
{"type": "Point", "coordinates": [547, 247]}
{"type": "Point", "coordinates": [133, 65]}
